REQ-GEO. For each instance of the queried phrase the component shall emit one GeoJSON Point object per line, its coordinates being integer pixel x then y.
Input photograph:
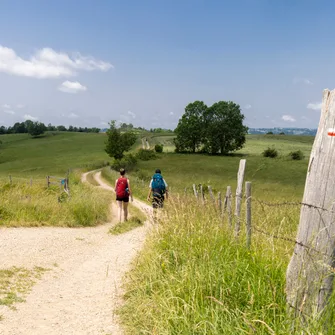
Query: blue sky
{"type": "Point", "coordinates": [86, 63]}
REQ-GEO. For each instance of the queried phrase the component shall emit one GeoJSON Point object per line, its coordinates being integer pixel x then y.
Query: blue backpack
{"type": "Point", "coordinates": [158, 185]}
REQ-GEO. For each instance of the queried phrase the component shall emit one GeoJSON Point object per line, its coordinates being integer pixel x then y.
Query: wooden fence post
{"type": "Point", "coordinates": [248, 216]}
{"type": "Point", "coordinates": [220, 204]}
{"type": "Point", "coordinates": [227, 206]}
{"type": "Point", "coordinates": [195, 191]}
{"type": "Point", "coordinates": [240, 177]}
{"type": "Point", "coordinates": [10, 179]}
{"type": "Point", "coordinates": [211, 193]}
{"type": "Point", "coordinates": [202, 195]}
{"type": "Point", "coordinates": [310, 275]}
{"type": "Point", "coordinates": [48, 181]}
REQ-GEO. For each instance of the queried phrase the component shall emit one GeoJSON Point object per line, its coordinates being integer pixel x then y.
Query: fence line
{"type": "Point", "coordinates": [225, 207]}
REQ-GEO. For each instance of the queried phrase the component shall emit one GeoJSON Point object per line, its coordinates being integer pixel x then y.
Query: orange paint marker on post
{"type": "Point", "coordinates": [331, 132]}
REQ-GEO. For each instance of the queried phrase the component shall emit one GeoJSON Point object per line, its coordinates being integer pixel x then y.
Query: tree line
{"type": "Point", "coordinates": [217, 129]}
{"type": "Point", "coordinates": [36, 128]}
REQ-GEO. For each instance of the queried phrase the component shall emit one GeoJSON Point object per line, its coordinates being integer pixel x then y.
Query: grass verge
{"type": "Point", "coordinates": [26, 204]}
{"type": "Point", "coordinates": [194, 277]}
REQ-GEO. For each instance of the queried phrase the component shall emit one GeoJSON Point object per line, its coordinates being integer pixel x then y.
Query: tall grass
{"type": "Point", "coordinates": [24, 204]}
{"type": "Point", "coordinates": [194, 277]}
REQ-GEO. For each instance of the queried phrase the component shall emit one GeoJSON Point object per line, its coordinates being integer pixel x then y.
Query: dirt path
{"type": "Point", "coordinates": [80, 292]}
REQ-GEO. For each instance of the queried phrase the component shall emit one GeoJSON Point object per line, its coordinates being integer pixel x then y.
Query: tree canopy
{"type": "Point", "coordinates": [190, 129]}
{"type": "Point", "coordinates": [217, 129]}
{"type": "Point", "coordinates": [35, 128]}
{"type": "Point", "coordinates": [118, 142]}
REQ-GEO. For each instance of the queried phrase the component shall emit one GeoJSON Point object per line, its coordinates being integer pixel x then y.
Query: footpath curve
{"type": "Point", "coordinates": [83, 287]}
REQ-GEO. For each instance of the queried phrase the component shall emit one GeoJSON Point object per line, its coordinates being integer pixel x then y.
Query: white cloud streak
{"type": "Point", "coordinates": [47, 63]}
{"type": "Point", "coordinates": [72, 87]}
{"type": "Point", "coordinates": [302, 81]}
{"type": "Point", "coordinates": [133, 115]}
{"type": "Point", "coordinates": [248, 106]}
{"type": "Point", "coordinates": [288, 118]}
{"type": "Point", "coordinates": [5, 106]}
{"type": "Point", "coordinates": [315, 106]}
{"type": "Point", "coordinates": [7, 111]}
{"type": "Point", "coordinates": [29, 117]}
{"type": "Point", "coordinates": [73, 116]}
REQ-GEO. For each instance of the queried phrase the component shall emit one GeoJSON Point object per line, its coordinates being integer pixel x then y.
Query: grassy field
{"type": "Point", "coordinates": [192, 276]}
{"type": "Point", "coordinates": [24, 156]}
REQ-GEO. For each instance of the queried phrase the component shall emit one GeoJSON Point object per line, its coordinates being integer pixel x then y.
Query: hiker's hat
{"type": "Point", "coordinates": [158, 171]}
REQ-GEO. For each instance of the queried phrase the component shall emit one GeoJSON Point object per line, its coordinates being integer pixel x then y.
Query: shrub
{"type": "Point", "coordinates": [270, 152]}
{"type": "Point", "coordinates": [146, 155]}
{"type": "Point", "coordinates": [269, 133]}
{"type": "Point", "coordinates": [296, 155]}
{"type": "Point", "coordinates": [128, 162]}
{"type": "Point", "coordinates": [159, 148]}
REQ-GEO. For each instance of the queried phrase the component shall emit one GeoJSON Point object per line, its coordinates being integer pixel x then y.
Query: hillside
{"type": "Point", "coordinates": [54, 153]}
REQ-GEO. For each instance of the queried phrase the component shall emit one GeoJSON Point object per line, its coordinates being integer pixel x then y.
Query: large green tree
{"type": "Point", "coordinates": [190, 127]}
{"type": "Point", "coordinates": [225, 131]}
{"type": "Point", "coordinates": [118, 142]}
{"type": "Point", "coordinates": [35, 128]}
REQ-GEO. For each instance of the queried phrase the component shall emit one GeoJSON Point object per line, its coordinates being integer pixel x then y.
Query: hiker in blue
{"type": "Point", "coordinates": [158, 188]}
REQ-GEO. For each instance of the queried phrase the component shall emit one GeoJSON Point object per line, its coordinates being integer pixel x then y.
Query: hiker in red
{"type": "Point", "coordinates": [123, 192]}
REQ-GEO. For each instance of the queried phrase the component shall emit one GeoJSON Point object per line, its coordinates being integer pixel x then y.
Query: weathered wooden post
{"type": "Point", "coordinates": [310, 274]}
{"type": "Point", "coordinates": [211, 193]}
{"type": "Point", "coordinates": [220, 204]}
{"type": "Point", "coordinates": [195, 191]}
{"type": "Point", "coordinates": [227, 205]}
{"type": "Point", "coordinates": [202, 196]}
{"type": "Point", "coordinates": [248, 214]}
{"type": "Point", "coordinates": [238, 200]}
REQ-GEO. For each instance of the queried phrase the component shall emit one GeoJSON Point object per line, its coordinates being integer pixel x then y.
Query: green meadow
{"type": "Point", "coordinates": [192, 276]}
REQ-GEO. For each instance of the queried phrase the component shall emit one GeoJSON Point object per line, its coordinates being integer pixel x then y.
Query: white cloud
{"type": "Point", "coordinates": [47, 63]}
{"type": "Point", "coordinates": [104, 123]}
{"type": "Point", "coordinates": [288, 118]}
{"type": "Point", "coordinates": [247, 106]}
{"type": "Point", "coordinates": [133, 115]}
{"type": "Point", "coordinates": [315, 106]}
{"type": "Point", "coordinates": [19, 106]}
{"type": "Point", "coordinates": [9, 111]}
{"type": "Point", "coordinates": [5, 106]}
{"type": "Point", "coordinates": [29, 117]}
{"type": "Point", "coordinates": [171, 113]}
{"type": "Point", "coordinates": [73, 116]}
{"type": "Point", "coordinates": [302, 81]}
{"type": "Point", "coordinates": [72, 87]}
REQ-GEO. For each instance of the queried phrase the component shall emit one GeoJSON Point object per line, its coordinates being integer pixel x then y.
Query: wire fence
{"type": "Point", "coordinates": [225, 206]}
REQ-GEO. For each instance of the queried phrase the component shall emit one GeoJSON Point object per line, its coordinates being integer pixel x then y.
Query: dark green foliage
{"type": "Point", "coordinates": [118, 142]}
{"type": "Point", "coordinates": [158, 148]}
{"type": "Point", "coordinates": [128, 162]}
{"type": "Point", "coordinates": [190, 128]}
{"type": "Point", "coordinates": [225, 131]}
{"type": "Point", "coordinates": [270, 152]}
{"type": "Point", "coordinates": [36, 128]}
{"type": "Point", "coordinates": [269, 133]}
{"type": "Point", "coordinates": [217, 129]}
{"type": "Point", "coordinates": [282, 133]}
{"type": "Point", "coordinates": [146, 155]}
{"type": "Point", "coordinates": [296, 155]}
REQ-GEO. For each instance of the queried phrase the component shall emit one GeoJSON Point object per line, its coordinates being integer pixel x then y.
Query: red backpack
{"type": "Point", "coordinates": [122, 190]}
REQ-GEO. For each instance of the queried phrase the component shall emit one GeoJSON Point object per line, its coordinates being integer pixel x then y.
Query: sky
{"type": "Point", "coordinates": [85, 63]}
